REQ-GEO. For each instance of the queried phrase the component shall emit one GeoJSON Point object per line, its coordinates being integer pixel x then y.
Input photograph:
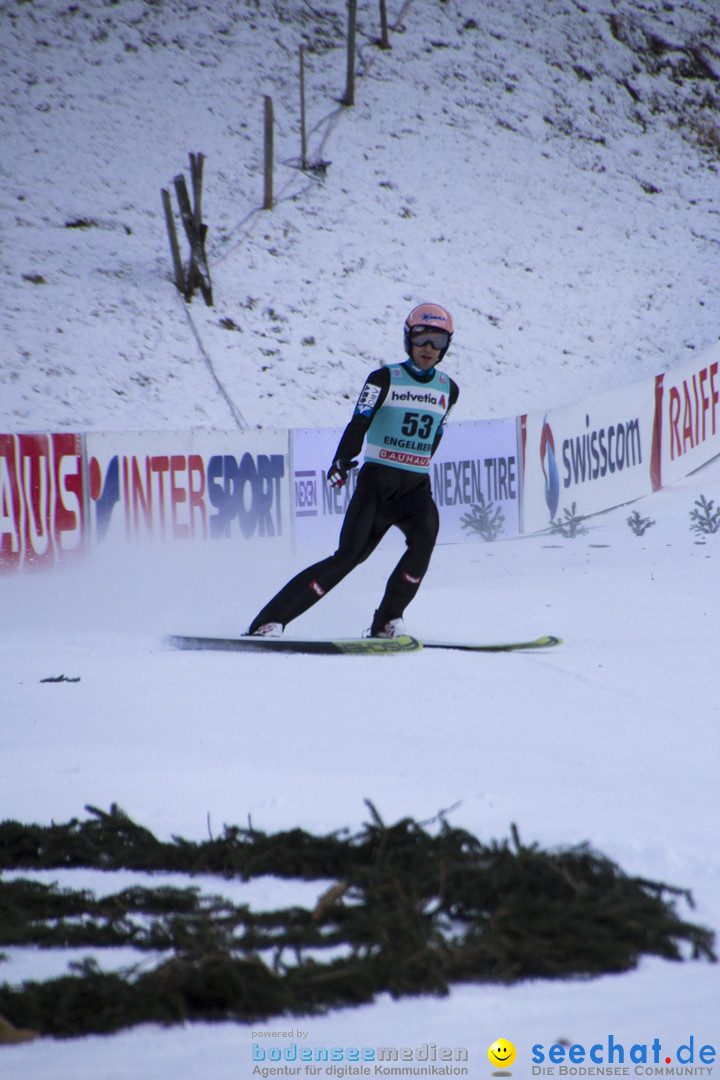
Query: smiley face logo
{"type": "Point", "coordinates": [501, 1054]}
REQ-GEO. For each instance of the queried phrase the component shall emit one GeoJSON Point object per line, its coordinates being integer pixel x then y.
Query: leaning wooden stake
{"type": "Point", "coordinates": [268, 201]}
{"type": "Point", "coordinates": [197, 161]}
{"type": "Point", "coordinates": [172, 236]}
{"type": "Point", "coordinates": [196, 234]}
{"type": "Point", "coordinates": [349, 98]}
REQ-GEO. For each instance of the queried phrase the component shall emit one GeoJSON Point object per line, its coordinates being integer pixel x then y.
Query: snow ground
{"type": "Point", "coordinates": [571, 227]}
{"type": "Point", "coordinates": [613, 738]}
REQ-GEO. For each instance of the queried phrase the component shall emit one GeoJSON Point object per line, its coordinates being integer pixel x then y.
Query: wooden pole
{"type": "Point", "coordinates": [349, 98]}
{"type": "Point", "coordinates": [303, 138]}
{"type": "Point", "coordinates": [384, 40]}
{"type": "Point", "coordinates": [268, 201]}
{"type": "Point", "coordinates": [172, 236]}
{"type": "Point", "coordinates": [198, 272]}
{"type": "Point", "coordinates": [196, 172]}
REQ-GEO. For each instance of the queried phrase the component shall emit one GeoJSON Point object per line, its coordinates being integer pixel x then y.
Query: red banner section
{"type": "Point", "coordinates": [691, 415]}
{"type": "Point", "coordinates": [42, 499]}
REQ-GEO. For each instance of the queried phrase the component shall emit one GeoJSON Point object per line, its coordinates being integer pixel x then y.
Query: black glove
{"type": "Point", "coordinates": [338, 472]}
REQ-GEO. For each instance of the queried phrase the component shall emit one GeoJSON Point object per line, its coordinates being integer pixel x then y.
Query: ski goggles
{"type": "Point", "coordinates": [430, 335]}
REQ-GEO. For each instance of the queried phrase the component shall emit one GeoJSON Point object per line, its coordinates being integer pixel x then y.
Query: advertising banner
{"type": "Point", "coordinates": [594, 455]}
{"type": "Point", "coordinates": [318, 509]}
{"type": "Point", "coordinates": [187, 486]}
{"type": "Point", "coordinates": [476, 481]}
{"type": "Point", "coordinates": [42, 499]}
{"type": "Point", "coordinates": [688, 402]}
{"type": "Point", "coordinates": [474, 475]}
{"type": "Point", "coordinates": [61, 493]}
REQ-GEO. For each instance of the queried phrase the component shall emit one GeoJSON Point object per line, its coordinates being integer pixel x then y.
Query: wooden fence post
{"type": "Point", "coordinates": [196, 174]}
{"type": "Point", "coordinates": [268, 202]}
{"type": "Point", "coordinates": [303, 138]}
{"type": "Point", "coordinates": [349, 98]}
{"type": "Point", "coordinates": [384, 40]}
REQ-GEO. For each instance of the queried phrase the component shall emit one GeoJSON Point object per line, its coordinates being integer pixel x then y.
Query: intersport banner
{"type": "Point", "coordinates": [42, 499]}
{"type": "Point", "coordinates": [189, 486]}
{"type": "Point", "coordinates": [476, 471]}
{"type": "Point", "coordinates": [688, 409]}
{"type": "Point", "coordinates": [596, 454]}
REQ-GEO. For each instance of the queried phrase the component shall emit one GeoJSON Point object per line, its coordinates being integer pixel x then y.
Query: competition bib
{"type": "Point", "coordinates": [404, 428]}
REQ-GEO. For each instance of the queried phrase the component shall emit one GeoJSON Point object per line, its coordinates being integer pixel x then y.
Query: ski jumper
{"type": "Point", "coordinates": [400, 415]}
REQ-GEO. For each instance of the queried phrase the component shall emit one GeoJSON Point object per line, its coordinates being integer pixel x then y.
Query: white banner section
{"type": "Point", "coordinates": [475, 479]}
{"type": "Point", "coordinates": [162, 486]}
{"type": "Point", "coordinates": [318, 509]}
{"type": "Point", "coordinates": [594, 455]}
{"type": "Point", "coordinates": [690, 412]}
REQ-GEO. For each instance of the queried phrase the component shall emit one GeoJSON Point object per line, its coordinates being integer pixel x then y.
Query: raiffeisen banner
{"type": "Point", "coordinates": [594, 455]}
{"type": "Point", "coordinates": [189, 486]}
{"type": "Point", "coordinates": [42, 499]}
{"type": "Point", "coordinates": [688, 401]}
{"type": "Point", "coordinates": [475, 478]}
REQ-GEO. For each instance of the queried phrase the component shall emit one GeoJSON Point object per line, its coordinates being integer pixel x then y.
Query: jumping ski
{"type": "Point", "coordinates": [508, 646]}
{"type": "Point", "coordinates": [339, 646]}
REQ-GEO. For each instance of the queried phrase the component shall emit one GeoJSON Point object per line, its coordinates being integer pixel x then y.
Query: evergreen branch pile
{"type": "Point", "coordinates": [414, 911]}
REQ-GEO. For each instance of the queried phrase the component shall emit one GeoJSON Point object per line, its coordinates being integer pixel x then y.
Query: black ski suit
{"type": "Point", "coordinates": [385, 495]}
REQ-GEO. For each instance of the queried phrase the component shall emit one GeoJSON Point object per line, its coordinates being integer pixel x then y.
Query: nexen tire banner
{"type": "Point", "coordinates": [596, 454]}
{"type": "Point", "coordinates": [197, 485]}
{"type": "Point", "coordinates": [476, 473]}
{"type": "Point", "coordinates": [476, 464]}
{"type": "Point", "coordinates": [318, 509]}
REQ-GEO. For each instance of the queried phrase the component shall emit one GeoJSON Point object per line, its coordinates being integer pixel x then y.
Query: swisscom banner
{"type": "Point", "coordinates": [594, 455]}
{"type": "Point", "coordinates": [475, 475]}
{"type": "Point", "coordinates": [190, 485]}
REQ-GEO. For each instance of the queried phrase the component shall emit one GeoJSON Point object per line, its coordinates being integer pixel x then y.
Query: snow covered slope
{"type": "Point", "coordinates": [545, 168]}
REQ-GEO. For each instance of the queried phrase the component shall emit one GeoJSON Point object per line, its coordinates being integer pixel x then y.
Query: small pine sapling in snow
{"type": "Point", "coordinates": [705, 520]}
{"type": "Point", "coordinates": [486, 519]}
{"type": "Point", "coordinates": [571, 526]}
{"type": "Point", "coordinates": [639, 525]}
